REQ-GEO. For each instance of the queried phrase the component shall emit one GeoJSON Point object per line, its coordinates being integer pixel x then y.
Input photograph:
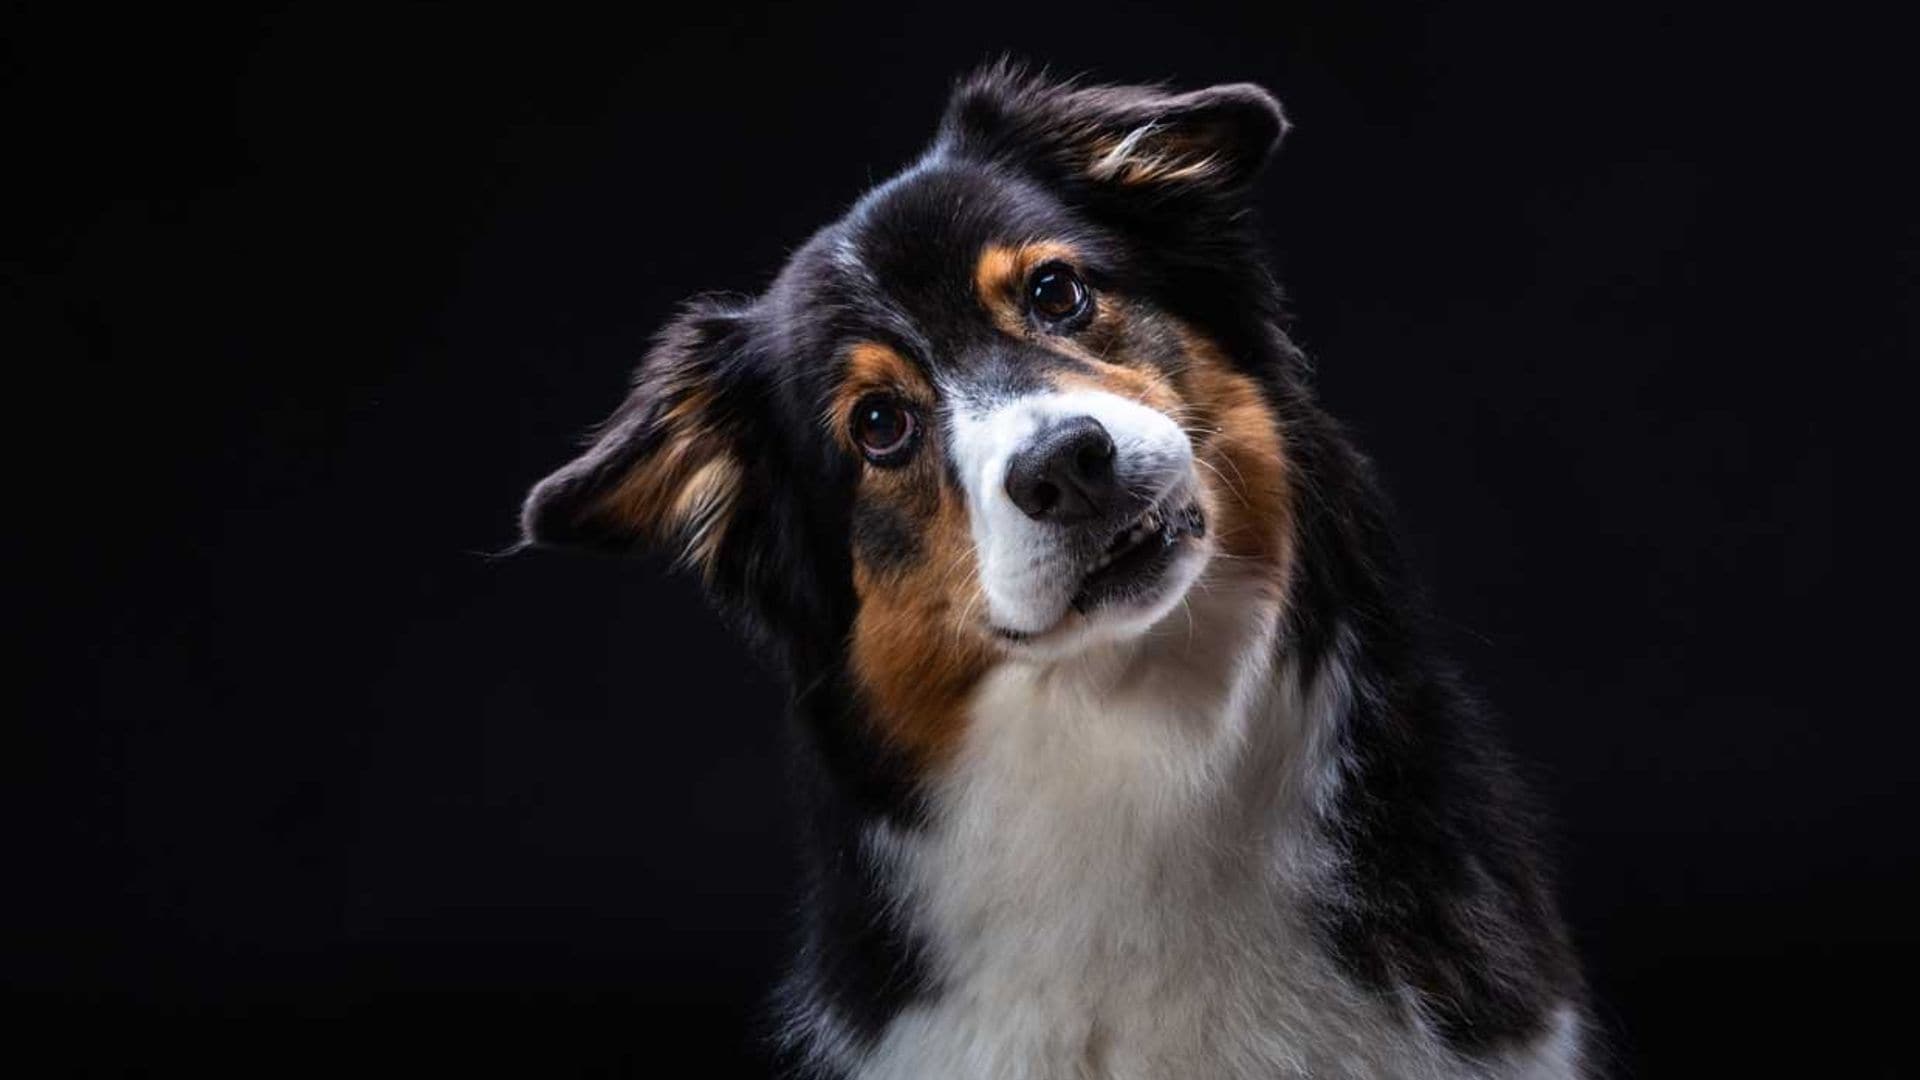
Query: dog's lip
{"type": "Point", "coordinates": [1141, 551]}
{"type": "Point", "coordinates": [1160, 517]}
{"type": "Point", "coordinates": [1174, 515]}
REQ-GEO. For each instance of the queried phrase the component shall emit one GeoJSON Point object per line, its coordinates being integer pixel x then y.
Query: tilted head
{"type": "Point", "coordinates": [1012, 408]}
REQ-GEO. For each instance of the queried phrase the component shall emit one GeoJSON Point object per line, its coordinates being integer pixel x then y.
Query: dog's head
{"type": "Point", "coordinates": [1011, 408]}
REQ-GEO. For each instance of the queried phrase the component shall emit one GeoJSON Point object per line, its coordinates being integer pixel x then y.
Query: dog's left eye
{"type": "Point", "coordinates": [1057, 293]}
{"type": "Point", "coordinates": [885, 429]}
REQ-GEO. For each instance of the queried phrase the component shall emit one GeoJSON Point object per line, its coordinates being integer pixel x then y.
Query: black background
{"type": "Point", "coordinates": [308, 777]}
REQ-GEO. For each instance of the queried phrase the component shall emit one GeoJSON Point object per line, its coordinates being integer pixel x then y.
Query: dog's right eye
{"type": "Point", "coordinates": [1059, 296]}
{"type": "Point", "coordinates": [885, 429]}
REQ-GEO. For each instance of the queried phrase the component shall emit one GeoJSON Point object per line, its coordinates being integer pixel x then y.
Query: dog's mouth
{"type": "Point", "coordinates": [1139, 554]}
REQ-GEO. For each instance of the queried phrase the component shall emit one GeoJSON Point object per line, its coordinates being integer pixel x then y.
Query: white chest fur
{"type": "Point", "coordinates": [1114, 883]}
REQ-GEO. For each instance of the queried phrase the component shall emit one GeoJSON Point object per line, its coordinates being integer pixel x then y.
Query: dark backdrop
{"type": "Point", "coordinates": [308, 777]}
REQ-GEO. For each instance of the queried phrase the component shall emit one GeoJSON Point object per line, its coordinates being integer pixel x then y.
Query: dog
{"type": "Point", "coordinates": [1124, 752]}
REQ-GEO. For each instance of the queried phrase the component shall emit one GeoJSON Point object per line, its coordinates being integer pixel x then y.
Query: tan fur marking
{"type": "Point", "coordinates": [994, 276]}
{"type": "Point", "coordinates": [1243, 460]}
{"type": "Point", "coordinates": [1141, 383]}
{"type": "Point", "coordinates": [918, 645]}
{"type": "Point", "coordinates": [683, 492]}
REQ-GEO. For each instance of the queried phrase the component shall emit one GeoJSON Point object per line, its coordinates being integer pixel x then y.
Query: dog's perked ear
{"type": "Point", "coordinates": [668, 468]}
{"type": "Point", "coordinates": [1214, 141]}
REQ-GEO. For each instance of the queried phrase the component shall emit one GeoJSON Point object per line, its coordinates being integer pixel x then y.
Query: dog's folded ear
{"type": "Point", "coordinates": [1213, 140]}
{"type": "Point", "coordinates": [669, 467]}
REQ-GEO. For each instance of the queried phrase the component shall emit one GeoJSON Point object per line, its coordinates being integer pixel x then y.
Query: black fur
{"type": "Point", "coordinates": [1448, 892]}
{"type": "Point", "coordinates": [1448, 895]}
{"type": "Point", "coordinates": [882, 538]}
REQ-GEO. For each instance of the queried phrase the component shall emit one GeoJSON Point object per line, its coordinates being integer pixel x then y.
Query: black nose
{"type": "Point", "coordinates": [1066, 474]}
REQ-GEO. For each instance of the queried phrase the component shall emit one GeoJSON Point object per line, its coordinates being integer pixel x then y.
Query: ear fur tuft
{"type": "Point", "coordinates": [665, 468]}
{"type": "Point", "coordinates": [1217, 139]}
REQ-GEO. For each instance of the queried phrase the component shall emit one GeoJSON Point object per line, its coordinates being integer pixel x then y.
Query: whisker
{"type": "Point", "coordinates": [1238, 490]}
{"type": "Point", "coordinates": [1238, 475]}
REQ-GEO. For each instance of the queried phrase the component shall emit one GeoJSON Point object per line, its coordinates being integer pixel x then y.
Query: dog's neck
{"type": "Point", "coordinates": [1139, 813]}
{"type": "Point", "coordinates": [1154, 720]}
{"type": "Point", "coordinates": [1126, 771]}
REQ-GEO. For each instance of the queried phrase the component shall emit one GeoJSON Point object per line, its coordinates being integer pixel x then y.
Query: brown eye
{"type": "Point", "coordinates": [884, 428]}
{"type": "Point", "coordinates": [1058, 294]}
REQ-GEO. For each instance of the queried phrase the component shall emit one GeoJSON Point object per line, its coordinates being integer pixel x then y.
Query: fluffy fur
{"type": "Point", "coordinates": [1209, 807]}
